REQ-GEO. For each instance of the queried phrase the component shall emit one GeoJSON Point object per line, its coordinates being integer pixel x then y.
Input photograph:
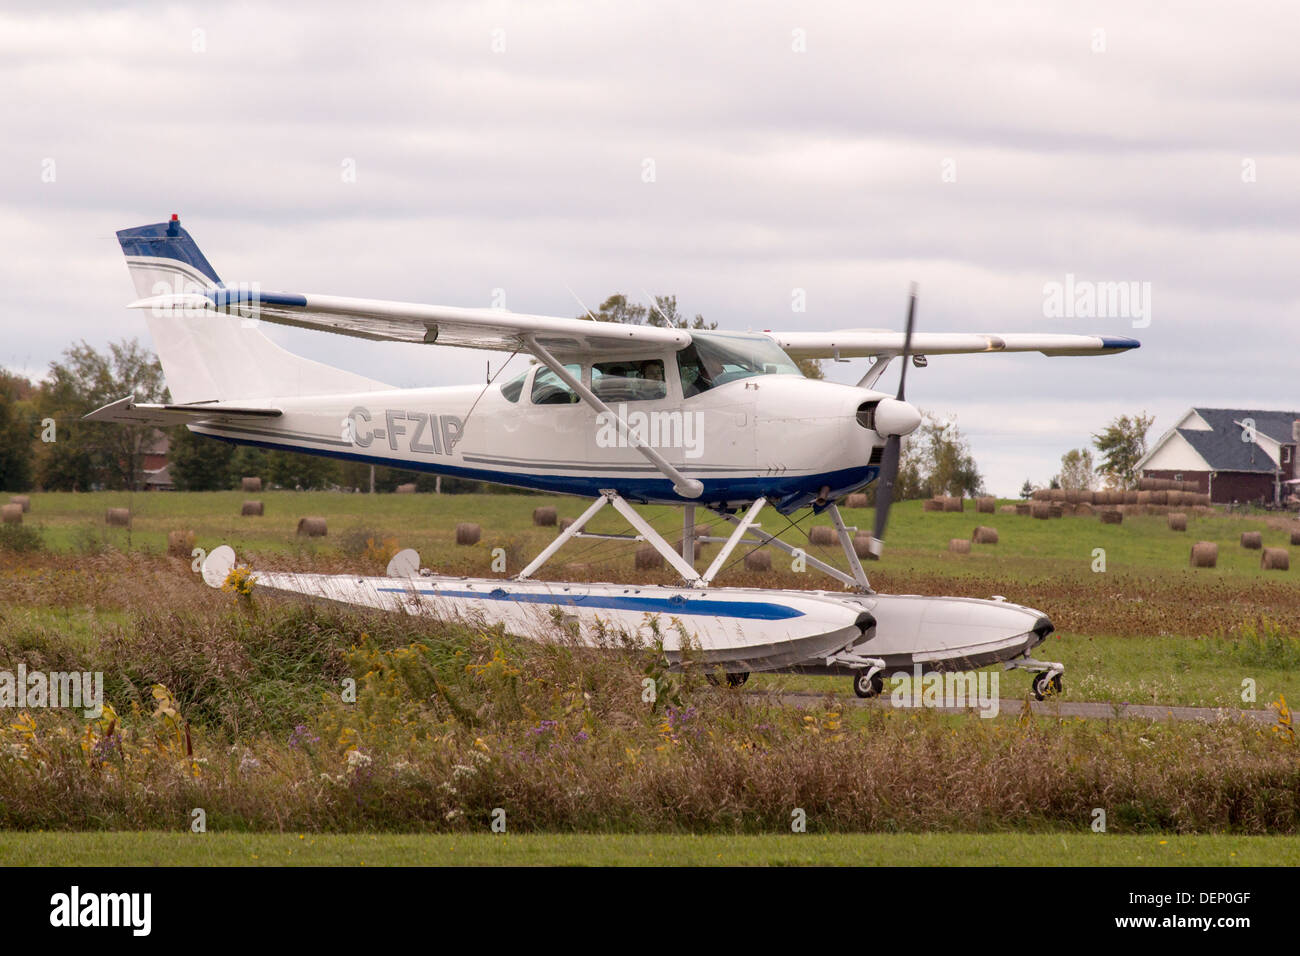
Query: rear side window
{"type": "Point", "coordinates": [635, 381]}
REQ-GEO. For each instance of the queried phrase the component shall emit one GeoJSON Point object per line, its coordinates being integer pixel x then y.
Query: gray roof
{"type": "Point", "coordinates": [1223, 448]}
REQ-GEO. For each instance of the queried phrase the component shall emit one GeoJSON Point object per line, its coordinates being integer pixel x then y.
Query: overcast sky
{"type": "Point", "coordinates": [982, 150]}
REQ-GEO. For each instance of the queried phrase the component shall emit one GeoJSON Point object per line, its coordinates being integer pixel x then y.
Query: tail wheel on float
{"type": "Point", "coordinates": [868, 686]}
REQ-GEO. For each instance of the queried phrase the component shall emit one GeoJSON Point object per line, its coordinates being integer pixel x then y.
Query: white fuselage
{"type": "Point", "coordinates": [782, 436]}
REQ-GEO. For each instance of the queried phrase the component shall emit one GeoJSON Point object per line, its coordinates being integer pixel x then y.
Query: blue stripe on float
{"type": "Point", "coordinates": [744, 610]}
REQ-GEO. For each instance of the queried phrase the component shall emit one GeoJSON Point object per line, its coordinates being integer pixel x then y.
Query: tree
{"type": "Point", "coordinates": [290, 469]}
{"type": "Point", "coordinates": [17, 418]}
{"type": "Point", "coordinates": [88, 453]}
{"type": "Point", "coordinates": [1122, 445]}
{"type": "Point", "coordinates": [1076, 470]}
{"type": "Point", "coordinates": [663, 313]}
{"type": "Point", "coordinates": [1026, 490]}
{"type": "Point", "coordinates": [199, 463]}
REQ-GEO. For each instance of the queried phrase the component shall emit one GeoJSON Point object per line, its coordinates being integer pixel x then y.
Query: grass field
{"type": "Point", "coordinates": [485, 849]}
{"type": "Point", "coordinates": [452, 722]}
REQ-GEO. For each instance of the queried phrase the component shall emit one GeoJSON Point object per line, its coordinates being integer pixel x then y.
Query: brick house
{"type": "Point", "coordinates": [1233, 454]}
{"type": "Point", "coordinates": [154, 453]}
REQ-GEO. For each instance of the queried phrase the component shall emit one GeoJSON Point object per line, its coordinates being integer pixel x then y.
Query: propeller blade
{"type": "Point", "coordinates": [907, 341]}
{"type": "Point", "coordinates": [894, 443]}
{"type": "Point", "coordinates": [885, 486]}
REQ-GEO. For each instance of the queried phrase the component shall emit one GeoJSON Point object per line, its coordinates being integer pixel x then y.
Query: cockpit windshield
{"type": "Point", "coordinates": [715, 358]}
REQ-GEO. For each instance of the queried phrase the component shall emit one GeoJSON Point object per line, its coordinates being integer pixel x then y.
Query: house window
{"type": "Point", "coordinates": [1178, 477]}
{"type": "Point", "coordinates": [1286, 454]}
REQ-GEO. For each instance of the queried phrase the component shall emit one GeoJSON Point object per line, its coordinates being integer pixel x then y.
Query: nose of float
{"type": "Point", "coordinates": [895, 417]}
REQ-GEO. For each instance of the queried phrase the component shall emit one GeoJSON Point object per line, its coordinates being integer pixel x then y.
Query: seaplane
{"type": "Point", "coordinates": [623, 415]}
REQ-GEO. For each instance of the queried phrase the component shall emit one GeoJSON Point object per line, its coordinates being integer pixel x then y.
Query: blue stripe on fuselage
{"type": "Point", "coordinates": [786, 493]}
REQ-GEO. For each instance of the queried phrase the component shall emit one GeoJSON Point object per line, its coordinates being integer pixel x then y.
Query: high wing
{"type": "Point", "coordinates": [382, 320]}
{"type": "Point", "coordinates": [860, 343]}
{"type": "Point", "coordinates": [125, 411]}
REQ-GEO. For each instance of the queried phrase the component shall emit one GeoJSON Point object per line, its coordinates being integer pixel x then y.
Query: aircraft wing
{"type": "Point", "coordinates": [125, 411]}
{"type": "Point", "coordinates": [859, 343]}
{"type": "Point", "coordinates": [382, 320]}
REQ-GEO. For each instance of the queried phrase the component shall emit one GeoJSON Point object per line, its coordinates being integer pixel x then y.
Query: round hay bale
{"type": "Point", "coordinates": [1111, 516]}
{"type": "Point", "coordinates": [954, 504]}
{"type": "Point", "coordinates": [250, 483]}
{"type": "Point", "coordinates": [1254, 540]}
{"type": "Point", "coordinates": [1177, 521]}
{"type": "Point", "coordinates": [566, 522]}
{"type": "Point", "coordinates": [544, 517]}
{"type": "Point", "coordinates": [311, 527]}
{"type": "Point", "coordinates": [1038, 494]}
{"type": "Point", "coordinates": [1205, 554]}
{"type": "Point", "coordinates": [985, 535]}
{"type": "Point", "coordinates": [468, 533]}
{"type": "Point", "coordinates": [1023, 509]}
{"type": "Point", "coordinates": [180, 543]}
{"type": "Point", "coordinates": [23, 501]}
{"type": "Point", "coordinates": [1084, 509]}
{"type": "Point", "coordinates": [758, 561]}
{"type": "Point", "coordinates": [11, 514]}
{"type": "Point", "coordinates": [1055, 509]}
{"type": "Point", "coordinates": [1010, 509]}
{"type": "Point", "coordinates": [1069, 509]}
{"type": "Point", "coordinates": [862, 546]}
{"type": "Point", "coordinates": [1143, 498]}
{"type": "Point", "coordinates": [1056, 494]}
{"type": "Point", "coordinates": [406, 489]}
{"type": "Point", "coordinates": [1295, 537]}
{"type": "Point", "coordinates": [986, 506]}
{"type": "Point", "coordinates": [1275, 559]}
{"type": "Point", "coordinates": [959, 546]}
{"type": "Point", "coordinates": [1159, 498]}
{"type": "Point", "coordinates": [821, 534]}
{"type": "Point", "coordinates": [1148, 484]}
{"type": "Point", "coordinates": [858, 500]}
{"type": "Point", "coordinates": [253, 508]}
{"type": "Point", "coordinates": [118, 517]}
{"type": "Point", "coordinates": [932, 504]}
{"type": "Point", "coordinates": [648, 559]}
{"type": "Point", "coordinates": [1041, 509]}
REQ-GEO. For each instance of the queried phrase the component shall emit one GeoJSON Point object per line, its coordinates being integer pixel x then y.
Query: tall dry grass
{"type": "Point", "coordinates": [238, 708]}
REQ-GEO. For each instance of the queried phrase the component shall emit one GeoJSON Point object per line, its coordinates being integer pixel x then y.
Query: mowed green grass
{"type": "Point", "coordinates": [488, 849]}
{"type": "Point", "coordinates": [917, 540]}
{"type": "Point", "coordinates": [1173, 671]}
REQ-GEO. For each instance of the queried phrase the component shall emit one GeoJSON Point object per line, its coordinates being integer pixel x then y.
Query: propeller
{"type": "Point", "coordinates": [894, 441]}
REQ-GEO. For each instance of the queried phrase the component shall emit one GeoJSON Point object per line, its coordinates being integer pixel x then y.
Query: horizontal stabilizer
{"type": "Point", "coordinates": [125, 411]}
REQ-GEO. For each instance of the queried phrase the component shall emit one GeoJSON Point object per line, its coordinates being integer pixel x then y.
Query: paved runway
{"type": "Point", "coordinates": [1012, 706]}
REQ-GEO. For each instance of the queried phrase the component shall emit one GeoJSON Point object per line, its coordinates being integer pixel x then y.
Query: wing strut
{"type": "Point", "coordinates": [686, 487]}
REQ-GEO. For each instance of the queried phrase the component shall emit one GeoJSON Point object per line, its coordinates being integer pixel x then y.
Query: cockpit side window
{"type": "Point", "coordinates": [548, 389]}
{"type": "Point", "coordinates": [714, 358]}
